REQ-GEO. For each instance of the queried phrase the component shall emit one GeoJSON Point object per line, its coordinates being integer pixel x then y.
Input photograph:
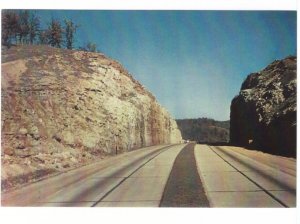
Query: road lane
{"type": "Point", "coordinates": [232, 177]}
{"type": "Point", "coordinates": [84, 186]}
{"type": "Point", "coordinates": [145, 187]}
{"type": "Point", "coordinates": [284, 164]}
{"type": "Point", "coordinates": [278, 183]}
{"type": "Point", "coordinates": [242, 179]}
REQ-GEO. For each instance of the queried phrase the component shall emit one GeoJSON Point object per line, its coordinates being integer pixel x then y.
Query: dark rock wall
{"type": "Point", "coordinates": [263, 115]}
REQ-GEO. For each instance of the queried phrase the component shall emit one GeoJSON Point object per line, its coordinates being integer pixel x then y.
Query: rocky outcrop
{"type": "Point", "coordinates": [263, 115]}
{"type": "Point", "coordinates": [62, 107]}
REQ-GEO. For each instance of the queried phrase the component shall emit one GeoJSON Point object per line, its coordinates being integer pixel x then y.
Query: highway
{"type": "Point", "coordinates": [131, 179]}
{"type": "Point", "coordinates": [183, 175]}
{"type": "Point", "coordinates": [235, 177]}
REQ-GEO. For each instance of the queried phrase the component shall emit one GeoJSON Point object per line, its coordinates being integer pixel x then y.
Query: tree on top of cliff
{"type": "Point", "coordinates": [19, 27]}
{"type": "Point", "coordinates": [24, 27]}
{"type": "Point", "coordinates": [54, 33]}
{"type": "Point", "coordinates": [91, 47]}
{"type": "Point", "coordinates": [70, 30]}
{"type": "Point", "coordinates": [10, 25]}
{"type": "Point", "coordinates": [34, 26]}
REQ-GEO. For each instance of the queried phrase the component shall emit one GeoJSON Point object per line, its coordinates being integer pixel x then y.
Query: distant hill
{"type": "Point", "coordinates": [204, 130]}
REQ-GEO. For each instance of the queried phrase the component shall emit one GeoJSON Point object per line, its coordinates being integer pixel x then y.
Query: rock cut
{"type": "Point", "coordinates": [63, 107]}
{"type": "Point", "coordinates": [263, 115]}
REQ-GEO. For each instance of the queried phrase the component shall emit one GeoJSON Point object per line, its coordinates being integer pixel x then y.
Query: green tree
{"type": "Point", "coordinates": [91, 47]}
{"type": "Point", "coordinates": [70, 30]}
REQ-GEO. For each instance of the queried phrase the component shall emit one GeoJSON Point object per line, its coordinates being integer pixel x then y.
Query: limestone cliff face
{"type": "Point", "coordinates": [61, 107]}
{"type": "Point", "coordinates": [264, 112]}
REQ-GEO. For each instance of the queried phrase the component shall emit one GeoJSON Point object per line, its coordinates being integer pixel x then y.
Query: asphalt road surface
{"type": "Point", "coordinates": [180, 175]}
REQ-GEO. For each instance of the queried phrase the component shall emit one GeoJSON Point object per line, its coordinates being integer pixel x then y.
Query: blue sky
{"type": "Point", "coordinates": [194, 62]}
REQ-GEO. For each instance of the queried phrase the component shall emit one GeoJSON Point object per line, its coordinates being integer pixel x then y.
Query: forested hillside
{"type": "Point", "coordinates": [204, 130]}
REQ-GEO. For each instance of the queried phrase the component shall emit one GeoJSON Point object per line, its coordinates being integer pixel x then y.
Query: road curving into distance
{"type": "Point", "coordinates": [182, 175]}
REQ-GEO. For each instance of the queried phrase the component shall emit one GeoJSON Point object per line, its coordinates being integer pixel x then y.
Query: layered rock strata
{"type": "Point", "coordinates": [63, 107]}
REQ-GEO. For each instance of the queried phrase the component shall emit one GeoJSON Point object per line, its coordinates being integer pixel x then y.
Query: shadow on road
{"type": "Point", "coordinates": [216, 143]}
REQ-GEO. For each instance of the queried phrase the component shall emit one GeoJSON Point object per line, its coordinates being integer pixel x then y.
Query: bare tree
{"type": "Point", "coordinates": [10, 24]}
{"type": "Point", "coordinates": [54, 33]}
{"type": "Point", "coordinates": [23, 28]}
{"type": "Point", "coordinates": [70, 30]}
{"type": "Point", "coordinates": [34, 25]}
{"type": "Point", "coordinates": [43, 37]}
